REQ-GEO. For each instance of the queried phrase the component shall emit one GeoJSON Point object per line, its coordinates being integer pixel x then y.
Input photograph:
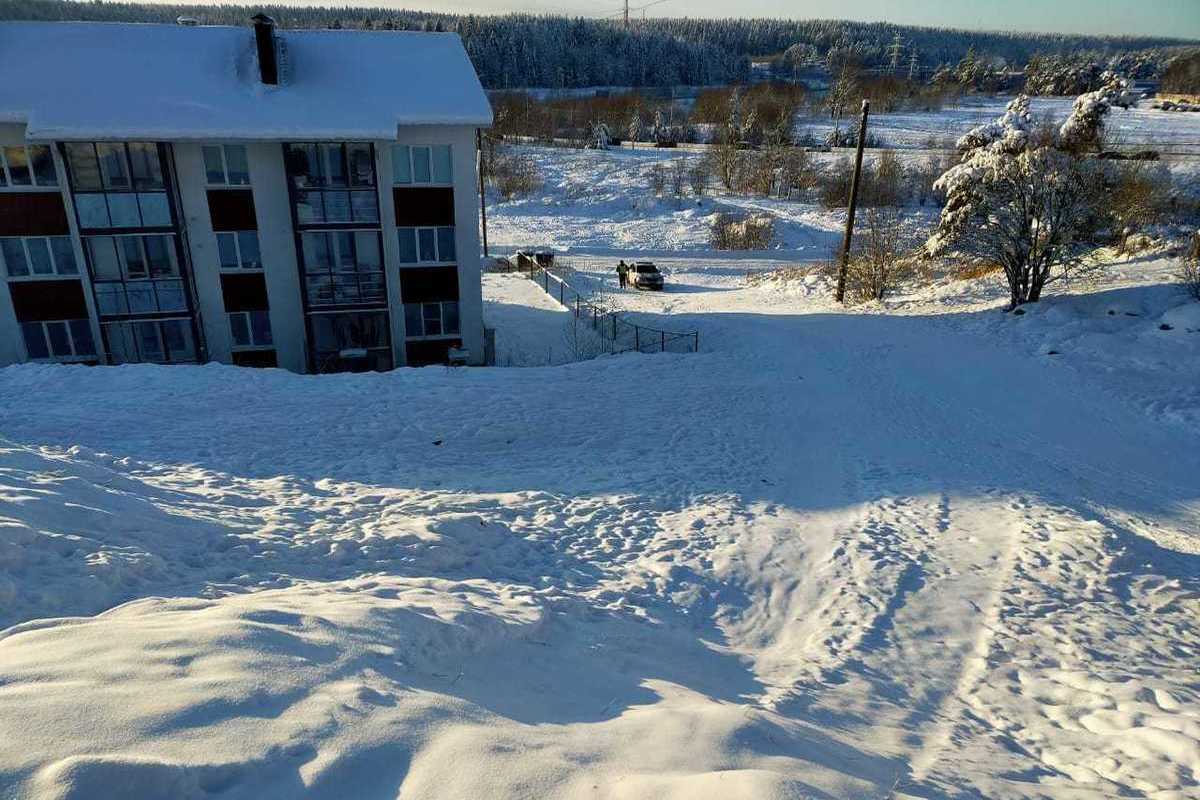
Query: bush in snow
{"type": "Point", "coordinates": [677, 177]}
{"type": "Point", "coordinates": [1138, 195]}
{"type": "Point", "coordinates": [698, 175]}
{"type": "Point", "coordinates": [884, 183]}
{"type": "Point", "coordinates": [833, 185]}
{"type": "Point", "coordinates": [514, 174]}
{"type": "Point", "coordinates": [658, 179]}
{"type": "Point", "coordinates": [882, 256]}
{"type": "Point", "coordinates": [1019, 201]}
{"type": "Point", "coordinates": [730, 232]}
{"type": "Point", "coordinates": [1189, 273]}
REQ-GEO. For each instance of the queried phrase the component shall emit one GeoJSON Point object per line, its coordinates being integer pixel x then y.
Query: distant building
{"type": "Point", "coordinates": [182, 194]}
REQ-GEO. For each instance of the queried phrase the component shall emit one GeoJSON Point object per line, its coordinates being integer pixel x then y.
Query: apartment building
{"type": "Point", "coordinates": [183, 194]}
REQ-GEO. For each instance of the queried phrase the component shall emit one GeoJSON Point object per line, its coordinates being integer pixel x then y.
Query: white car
{"type": "Point", "coordinates": [644, 275]}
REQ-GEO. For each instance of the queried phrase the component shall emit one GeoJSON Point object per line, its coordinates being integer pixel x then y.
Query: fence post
{"type": "Point", "coordinates": [614, 319]}
{"type": "Point", "coordinates": [662, 348]}
{"type": "Point", "coordinates": [637, 338]}
{"type": "Point", "coordinates": [561, 286]}
{"type": "Point", "coordinates": [696, 345]}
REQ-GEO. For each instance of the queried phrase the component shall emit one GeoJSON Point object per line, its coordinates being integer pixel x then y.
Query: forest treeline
{"type": "Point", "coordinates": [522, 50]}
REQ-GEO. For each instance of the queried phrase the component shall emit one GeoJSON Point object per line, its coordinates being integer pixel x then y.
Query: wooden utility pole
{"type": "Point", "coordinates": [482, 202]}
{"type": "Point", "coordinates": [840, 295]}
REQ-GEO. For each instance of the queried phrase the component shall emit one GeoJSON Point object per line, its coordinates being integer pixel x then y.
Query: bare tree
{"type": "Point", "coordinates": [723, 161]}
{"type": "Point", "coordinates": [841, 97]}
{"type": "Point", "coordinates": [678, 177]}
{"type": "Point", "coordinates": [698, 174]}
{"type": "Point", "coordinates": [796, 172]}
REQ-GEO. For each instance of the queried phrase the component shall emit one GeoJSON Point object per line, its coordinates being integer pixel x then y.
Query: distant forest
{"type": "Point", "coordinates": [522, 50]}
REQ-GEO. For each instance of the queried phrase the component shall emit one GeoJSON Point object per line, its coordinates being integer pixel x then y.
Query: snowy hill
{"type": "Point", "coordinates": [916, 548]}
{"type": "Point", "coordinates": [823, 559]}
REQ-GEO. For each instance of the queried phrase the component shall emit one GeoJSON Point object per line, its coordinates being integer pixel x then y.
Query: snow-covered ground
{"type": "Point", "coordinates": [1141, 126]}
{"type": "Point", "coordinates": [599, 202]}
{"type": "Point", "coordinates": [901, 550]}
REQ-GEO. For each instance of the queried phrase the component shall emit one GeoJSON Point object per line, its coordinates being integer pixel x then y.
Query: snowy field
{"type": "Point", "coordinates": [914, 550]}
{"type": "Point", "coordinates": [1137, 127]}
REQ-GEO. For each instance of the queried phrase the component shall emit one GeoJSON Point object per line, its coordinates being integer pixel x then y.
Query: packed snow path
{"type": "Point", "coordinates": [839, 556]}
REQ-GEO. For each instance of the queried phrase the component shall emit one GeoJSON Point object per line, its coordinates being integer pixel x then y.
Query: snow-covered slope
{"type": "Point", "coordinates": [850, 555]}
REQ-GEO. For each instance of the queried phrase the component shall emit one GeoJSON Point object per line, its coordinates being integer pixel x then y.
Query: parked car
{"type": "Point", "coordinates": [644, 275]}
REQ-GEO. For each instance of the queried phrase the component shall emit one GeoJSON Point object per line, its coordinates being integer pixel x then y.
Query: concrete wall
{"type": "Point", "coordinates": [272, 209]}
{"type": "Point", "coordinates": [276, 238]}
{"type": "Point", "coordinates": [466, 233]}
{"type": "Point", "coordinates": [202, 247]}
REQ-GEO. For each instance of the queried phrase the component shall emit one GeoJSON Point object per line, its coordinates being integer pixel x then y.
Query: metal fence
{"type": "Point", "coordinates": [619, 334]}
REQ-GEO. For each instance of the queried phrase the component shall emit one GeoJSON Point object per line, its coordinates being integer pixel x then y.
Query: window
{"type": "Point", "coordinates": [239, 250]}
{"type": "Point", "coordinates": [350, 341]}
{"type": "Point", "coordinates": [334, 182]}
{"type": "Point", "coordinates": [31, 165]}
{"type": "Point", "coordinates": [226, 165]}
{"type": "Point", "coordinates": [250, 329]}
{"type": "Point", "coordinates": [343, 267]}
{"type": "Point", "coordinates": [422, 164]}
{"type": "Point", "coordinates": [135, 274]}
{"type": "Point", "coordinates": [118, 185]}
{"type": "Point", "coordinates": [431, 319]}
{"type": "Point", "coordinates": [426, 245]}
{"type": "Point", "coordinates": [35, 256]}
{"type": "Point", "coordinates": [64, 340]}
{"type": "Point", "coordinates": [167, 341]}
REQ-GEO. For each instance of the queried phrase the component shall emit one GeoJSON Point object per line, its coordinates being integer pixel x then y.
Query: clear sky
{"type": "Point", "coordinates": [1179, 18]}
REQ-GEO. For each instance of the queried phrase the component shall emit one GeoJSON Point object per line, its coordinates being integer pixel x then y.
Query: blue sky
{"type": "Point", "coordinates": [1155, 17]}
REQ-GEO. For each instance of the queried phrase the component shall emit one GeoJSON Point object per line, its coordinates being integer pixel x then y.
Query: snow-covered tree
{"type": "Point", "coordinates": [1084, 128]}
{"type": "Point", "coordinates": [600, 135]}
{"type": "Point", "coordinates": [1019, 200]}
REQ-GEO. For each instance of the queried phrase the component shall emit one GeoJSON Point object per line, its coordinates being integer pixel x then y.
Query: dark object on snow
{"type": "Point", "coordinates": [1140, 155]}
{"type": "Point", "coordinates": [1053, 353]}
{"type": "Point", "coordinates": [1018, 311]}
{"type": "Point", "coordinates": [1166, 327]}
{"type": "Point", "coordinates": [264, 42]}
{"type": "Point", "coordinates": [437, 442]}
{"type": "Point", "coordinates": [528, 259]}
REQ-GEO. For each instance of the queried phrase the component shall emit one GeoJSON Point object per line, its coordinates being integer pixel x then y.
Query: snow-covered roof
{"type": "Point", "coordinates": [94, 80]}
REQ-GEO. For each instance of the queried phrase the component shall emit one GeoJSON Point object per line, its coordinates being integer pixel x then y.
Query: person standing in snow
{"type": "Point", "coordinates": [622, 274]}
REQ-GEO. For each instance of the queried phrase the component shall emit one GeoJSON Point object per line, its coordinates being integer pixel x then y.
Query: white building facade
{"type": "Point", "coordinates": [299, 199]}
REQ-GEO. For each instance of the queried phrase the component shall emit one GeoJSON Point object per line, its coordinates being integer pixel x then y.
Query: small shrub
{"type": "Point", "coordinates": [833, 186]}
{"type": "Point", "coordinates": [730, 232]}
{"type": "Point", "coordinates": [881, 258]}
{"type": "Point", "coordinates": [514, 174]}
{"type": "Point", "coordinates": [678, 177]}
{"type": "Point", "coordinates": [658, 179]}
{"type": "Point", "coordinates": [883, 181]}
{"type": "Point", "coordinates": [1189, 273]}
